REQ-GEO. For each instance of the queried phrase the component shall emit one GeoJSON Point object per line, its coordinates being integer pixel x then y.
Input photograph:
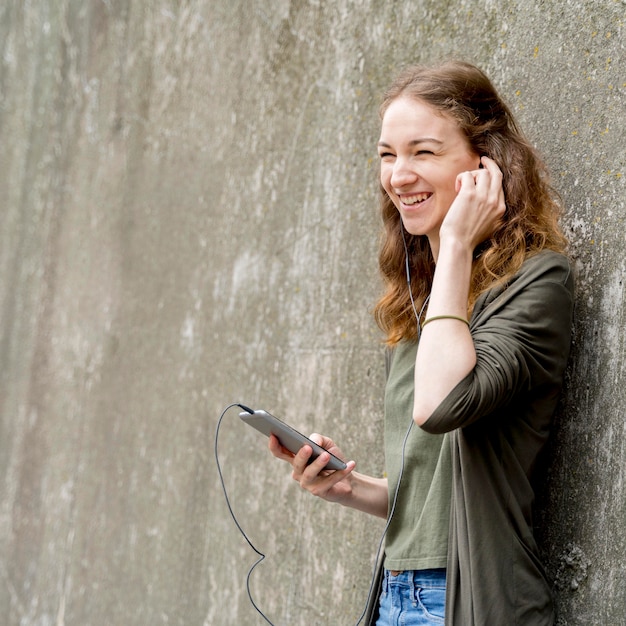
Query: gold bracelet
{"type": "Point", "coordinates": [445, 317]}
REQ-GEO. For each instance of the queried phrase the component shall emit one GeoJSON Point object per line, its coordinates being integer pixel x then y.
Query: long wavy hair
{"type": "Point", "coordinates": [463, 93]}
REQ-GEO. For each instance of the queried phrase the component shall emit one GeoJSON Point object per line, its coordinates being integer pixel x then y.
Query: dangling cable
{"type": "Point", "coordinates": [418, 316]}
{"type": "Point", "coordinates": [397, 489]}
{"type": "Point", "coordinates": [232, 514]}
{"type": "Point", "coordinates": [408, 282]}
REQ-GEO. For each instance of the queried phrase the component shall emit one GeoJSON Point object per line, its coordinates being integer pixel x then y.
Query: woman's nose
{"type": "Point", "coordinates": [402, 173]}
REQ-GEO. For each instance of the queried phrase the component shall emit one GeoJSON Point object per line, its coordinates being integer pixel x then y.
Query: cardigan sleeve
{"type": "Point", "coordinates": [521, 335]}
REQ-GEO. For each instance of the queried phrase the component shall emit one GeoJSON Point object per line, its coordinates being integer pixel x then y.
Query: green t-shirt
{"type": "Point", "coordinates": [417, 537]}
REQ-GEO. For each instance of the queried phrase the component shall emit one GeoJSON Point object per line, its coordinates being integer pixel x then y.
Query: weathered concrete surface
{"type": "Point", "coordinates": [188, 219]}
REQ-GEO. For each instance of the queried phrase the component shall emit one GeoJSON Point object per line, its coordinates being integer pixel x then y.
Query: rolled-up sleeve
{"type": "Point", "coordinates": [521, 337]}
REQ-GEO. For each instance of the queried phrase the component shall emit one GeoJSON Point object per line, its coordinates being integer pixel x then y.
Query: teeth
{"type": "Point", "coordinates": [418, 197]}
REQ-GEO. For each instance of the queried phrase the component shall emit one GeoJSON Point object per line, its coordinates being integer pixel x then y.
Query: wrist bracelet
{"type": "Point", "coordinates": [445, 317]}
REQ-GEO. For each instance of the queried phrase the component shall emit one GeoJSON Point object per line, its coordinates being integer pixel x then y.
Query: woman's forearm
{"type": "Point", "coordinates": [368, 494]}
{"type": "Point", "coordinates": [446, 351]}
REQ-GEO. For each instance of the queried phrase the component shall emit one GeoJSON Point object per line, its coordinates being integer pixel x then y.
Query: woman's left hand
{"type": "Point", "coordinates": [479, 205]}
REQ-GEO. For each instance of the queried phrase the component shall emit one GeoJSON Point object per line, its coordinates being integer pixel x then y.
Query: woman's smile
{"type": "Point", "coordinates": [414, 200]}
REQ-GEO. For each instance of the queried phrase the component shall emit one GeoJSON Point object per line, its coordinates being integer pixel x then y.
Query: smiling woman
{"type": "Point", "coordinates": [421, 154]}
{"type": "Point", "coordinates": [480, 339]}
{"type": "Point", "coordinates": [460, 93]}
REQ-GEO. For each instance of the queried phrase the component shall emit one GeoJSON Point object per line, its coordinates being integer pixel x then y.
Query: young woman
{"type": "Point", "coordinates": [479, 345]}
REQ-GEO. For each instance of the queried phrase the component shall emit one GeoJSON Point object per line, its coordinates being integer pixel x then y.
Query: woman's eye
{"type": "Point", "coordinates": [385, 155]}
{"type": "Point", "coordinates": [425, 152]}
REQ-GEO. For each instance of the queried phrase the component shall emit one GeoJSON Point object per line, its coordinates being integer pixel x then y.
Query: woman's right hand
{"type": "Point", "coordinates": [331, 485]}
{"type": "Point", "coordinates": [479, 206]}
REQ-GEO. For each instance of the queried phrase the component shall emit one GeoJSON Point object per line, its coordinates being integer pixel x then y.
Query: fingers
{"type": "Point", "coordinates": [495, 191]}
{"type": "Point", "coordinates": [318, 481]}
{"type": "Point", "coordinates": [321, 441]}
{"type": "Point", "coordinates": [307, 470]}
{"type": "Point", "coordinates": [312, 475]}
{"type": "Point", "coordinates": [488, 176]}
{"type": "Point", "coordinates": [464, 180]}
{"type": "Point", "coordinates": [484, 183]}
{"type": "Point", "coordinates": [300, 461]}
{"type": "Point", "coordinates": [278, 450]}
{"type": "Point", "coordinates": [479, 206]}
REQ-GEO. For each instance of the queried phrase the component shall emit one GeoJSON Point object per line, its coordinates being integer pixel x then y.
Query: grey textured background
{"type": "Point", "coordinates": [189, 219]}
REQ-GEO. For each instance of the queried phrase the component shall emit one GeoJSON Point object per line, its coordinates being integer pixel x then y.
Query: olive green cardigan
{"type": "Point", "coordinates": [499, 419]}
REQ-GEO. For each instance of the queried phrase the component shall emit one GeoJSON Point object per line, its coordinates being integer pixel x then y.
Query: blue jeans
{"type": "Point", "coordinates": [413, 598]}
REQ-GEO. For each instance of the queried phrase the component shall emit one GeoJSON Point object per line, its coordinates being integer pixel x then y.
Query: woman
{"type": "Point", "coordinates": [480, 343]}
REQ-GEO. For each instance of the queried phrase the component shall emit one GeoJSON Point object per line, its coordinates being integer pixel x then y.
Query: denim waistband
{"type": "Point", "coordinates": [424, 578]}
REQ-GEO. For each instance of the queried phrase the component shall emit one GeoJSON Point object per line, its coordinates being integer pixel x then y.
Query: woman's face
{"type": "Point", "coordinates": [421, 153]}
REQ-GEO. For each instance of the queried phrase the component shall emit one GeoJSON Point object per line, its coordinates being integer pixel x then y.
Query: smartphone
{"type": "Point", "coordinates": [289, 437]}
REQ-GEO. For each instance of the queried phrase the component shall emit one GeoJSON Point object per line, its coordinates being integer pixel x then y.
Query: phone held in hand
{"type": "Point", "coordinates": [289, 437]}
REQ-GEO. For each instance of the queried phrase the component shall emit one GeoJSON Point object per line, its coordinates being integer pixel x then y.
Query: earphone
{"type": "Point", "coordinates": [418, 316]}
{"type": "Point", "coordinates": [261, 555]}
{"type": "Point", "coordinates": [407, 269]}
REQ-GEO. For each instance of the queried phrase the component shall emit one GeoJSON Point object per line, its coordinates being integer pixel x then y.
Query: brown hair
{"type": "Point", "coordinates": [465, 94]}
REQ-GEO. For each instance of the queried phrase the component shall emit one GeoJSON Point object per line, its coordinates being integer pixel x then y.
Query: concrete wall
{"type": "Point", "coordinates": [188, 194]}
